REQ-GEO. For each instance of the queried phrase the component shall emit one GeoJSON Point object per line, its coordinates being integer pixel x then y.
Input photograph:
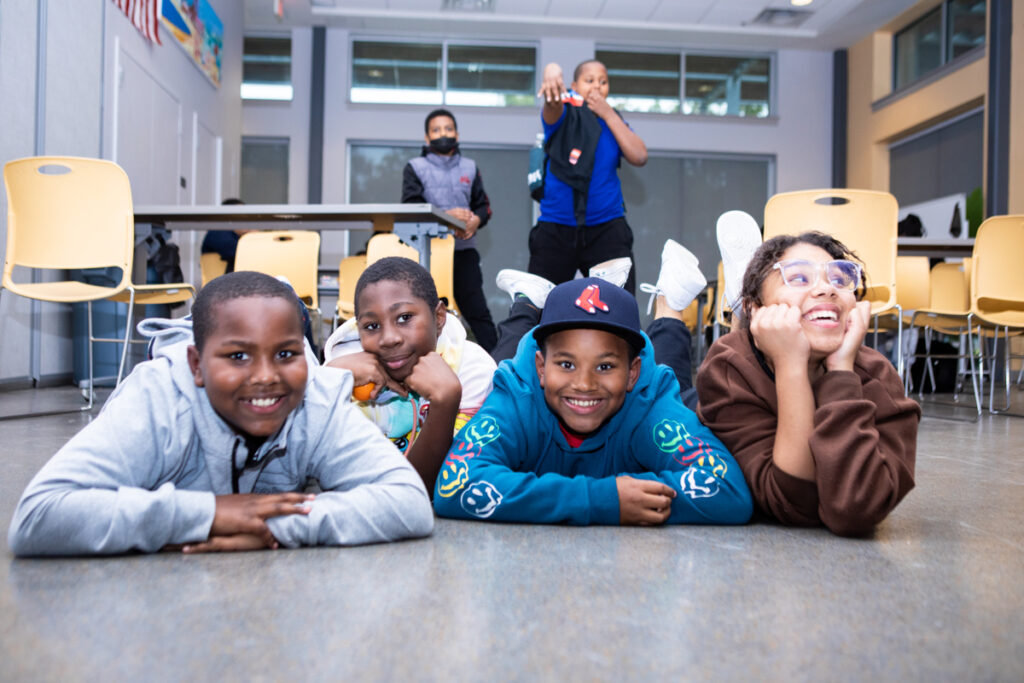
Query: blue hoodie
{"type": "Point", "coordinates": [513, 463]}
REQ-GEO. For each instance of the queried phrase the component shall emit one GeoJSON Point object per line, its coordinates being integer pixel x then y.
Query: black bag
{"type": "Point", "coordinates": [164, 259]}
{"type": "Point", "coordinates": [538, 172]}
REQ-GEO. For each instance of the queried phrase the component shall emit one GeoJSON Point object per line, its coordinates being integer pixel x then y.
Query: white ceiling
{"type": "Point", "coordinates": [832, 24]}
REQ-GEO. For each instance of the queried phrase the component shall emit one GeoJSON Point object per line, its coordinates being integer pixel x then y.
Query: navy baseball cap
{"type": "Point", "coordinates": [591, 303]}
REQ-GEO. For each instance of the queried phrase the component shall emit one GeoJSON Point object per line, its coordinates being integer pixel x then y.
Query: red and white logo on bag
{"type": "Point", "coordinates": [574, 156]}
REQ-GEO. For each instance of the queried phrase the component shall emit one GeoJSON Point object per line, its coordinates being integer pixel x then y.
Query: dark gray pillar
{"type": "Point", "coordinates": [840, 105]}
{"type": "Point", "coordinates": [316, 116]}
{"type": "Point", "coordinates": [997, 168]}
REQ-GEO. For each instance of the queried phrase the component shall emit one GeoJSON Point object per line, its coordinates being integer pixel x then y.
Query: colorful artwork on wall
{"type": "Point", "coordinates": [198, 30]}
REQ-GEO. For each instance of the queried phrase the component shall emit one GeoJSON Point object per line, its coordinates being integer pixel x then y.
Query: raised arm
{"type": "Point", "coordinates": [633, 148]}
{"type": "Point", "coordinates": [552, 88]}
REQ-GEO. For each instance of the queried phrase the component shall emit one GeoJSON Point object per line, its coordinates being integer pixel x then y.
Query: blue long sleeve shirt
{"type": "Point", "coordinates": [512, 462]}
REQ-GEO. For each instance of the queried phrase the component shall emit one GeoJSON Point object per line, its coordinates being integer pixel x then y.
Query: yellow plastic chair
{"type": "Point", "coordinates": [723, 313]}
{"type": "Point", "coordinates": [997, 288]}
{"type": "Point", "coordinates": [211, 265]}
{"type": "Point", "coordinates": [946, 313]}
{"type": "Point", "coordinates": [293, 254]}
{"type": "Point", "coordinates": [442, 260]}
{"type": "Point", "coordinates": [863, 220]}
{"type": "Point", "coordinates": [349, 270]}
{"type": "Point", "coordinates": [66, 213]}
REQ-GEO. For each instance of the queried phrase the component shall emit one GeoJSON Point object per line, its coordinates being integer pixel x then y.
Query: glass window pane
{"type": "Point", "coordinates": [919, 48]}
{"type": "Point", "coordinates": [396, 72]}
{"type": "Point", "coordinates": [489, 76]}
{"type": "Point", "coordinates": [966, 26]}
{"type": "Point", "coordinates": [727, 86]}
{"type": "Point", "coordinates": [642, 81]}
{"type": "Point", "coordinates": [267, 68]}
{"type": "Point", "coordinates": [264, 170]}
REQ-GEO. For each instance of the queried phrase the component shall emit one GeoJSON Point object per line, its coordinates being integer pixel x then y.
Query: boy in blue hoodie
{"type": "Point", "coordinates": [208, 446]}
{"type": "Point", "coordinates": [583, 427]}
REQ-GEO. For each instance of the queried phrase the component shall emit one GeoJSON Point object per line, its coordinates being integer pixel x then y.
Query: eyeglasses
{"type": "Point", "coordinates": [800, 274]}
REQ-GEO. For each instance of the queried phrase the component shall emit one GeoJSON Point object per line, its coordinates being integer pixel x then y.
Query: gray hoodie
{"type": "Point", "coordinates": [144, 473]}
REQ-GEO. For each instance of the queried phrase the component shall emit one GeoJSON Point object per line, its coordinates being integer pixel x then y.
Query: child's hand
{"type": "Point", "coordinates": [434, 380]}
{"type": "Point", "coordinates": [246, 514]}
{"type": "Point", "coordinates": [856, 327]}
{"type": "Point", "coordinates": [643, 502]}
{"type": "Point", "coordinates": [471, 220]}
{"type": "Point", "coordinates": [223, 544]}
{"type": "Point", "coordinates": [366, 369]}
{"type": "Point", "coordinates": [779, 335]}
{"type": "Point", "coordinates": [552, 87]}
{"type": "Point", "coordinates": [599, 105]}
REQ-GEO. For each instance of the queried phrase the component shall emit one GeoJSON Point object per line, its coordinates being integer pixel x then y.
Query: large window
{"type": "Point", "coordinates": [691, 83]}
{"type": "Point", "coordinates": [937, 38]}
{"type": "Point", "coordinates": [267, 68]}
{"type": "Point", "coordinates": [443, 73]}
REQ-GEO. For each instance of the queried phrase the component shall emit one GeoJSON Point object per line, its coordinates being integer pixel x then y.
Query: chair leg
{"type": "Point", "coordinates": [977, 383]}
{"type": "Point", "coordinates": [92, 380]}
{"type": "Point", "coordinates": [127, 335]}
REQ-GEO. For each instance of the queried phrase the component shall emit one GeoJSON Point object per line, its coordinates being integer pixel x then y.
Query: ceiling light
{"type": "Point", "coordinates": [800, 3]}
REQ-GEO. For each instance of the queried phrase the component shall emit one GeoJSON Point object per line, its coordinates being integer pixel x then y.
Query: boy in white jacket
{"type": "Point", "coordinates": [208, 446]}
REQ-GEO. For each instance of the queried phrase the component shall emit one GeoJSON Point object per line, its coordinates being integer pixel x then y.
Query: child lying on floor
{"type": "Point", "coordinates": [207, 446]}
{"type": "Point", "coordinates": [583, 427]}
{"type": "Point", "coordinates": [427, 378]}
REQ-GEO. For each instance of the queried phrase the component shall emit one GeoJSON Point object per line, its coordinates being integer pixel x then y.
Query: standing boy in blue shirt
{"type": "Point", "coordinates": [583, 427]}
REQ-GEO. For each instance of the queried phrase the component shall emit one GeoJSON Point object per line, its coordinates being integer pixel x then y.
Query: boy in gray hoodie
{"type": "Point", "coordinates": [206, 447]}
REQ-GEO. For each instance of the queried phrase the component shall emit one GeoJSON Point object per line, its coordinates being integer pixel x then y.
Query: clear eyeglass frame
{"type": "Point", "coordinates": [840, 273]}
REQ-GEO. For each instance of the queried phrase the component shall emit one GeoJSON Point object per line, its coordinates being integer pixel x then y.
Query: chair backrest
{"type": "Point", "coordinates": [996, 282]}
{"type": "Point", "coordinates": [386, 244]}
{"type": "Point", "coordinates": [442, 268]}
{"type": "Point", "coordinates": [68, 213]}
{"type": "Point", "coordinates": [949, 291]}
{"type": "Point", "coordinates": [349, 270]}
{"type": "Point", "coordinates": [442, 260]}
{"type": "Point", "coordinates": [211, 265]}
{"type": "Point", "coordinates": [864, 220]}
{"type": "Point", "coordinates": [295, 254]}
{"type": "Point", "coordinates": [912, 282]}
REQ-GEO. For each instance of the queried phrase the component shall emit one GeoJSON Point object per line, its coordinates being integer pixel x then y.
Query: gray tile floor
{"type": "Point", "coordinates": [936, 594]}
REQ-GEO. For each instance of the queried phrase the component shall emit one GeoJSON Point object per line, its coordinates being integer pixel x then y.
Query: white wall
{"type": "Point", "coordinates": [799, 136]}
{"type": "Point", "coordinates": [84, 42]}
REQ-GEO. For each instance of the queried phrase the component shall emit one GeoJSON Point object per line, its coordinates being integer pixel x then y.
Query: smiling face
{"type": "Point", "coordinates": [592, 76]}
{"type": "Point", "coordinates": [253, 364]}
{"type": "Point", "coordinates": [585, 374]}
{"type": "Point", "coordinates": [397, 326]}
{"type": "Point", "coordinates": [824, 309]}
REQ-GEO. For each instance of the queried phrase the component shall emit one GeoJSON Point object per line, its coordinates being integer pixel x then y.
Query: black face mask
{"type": "Point", "coordinates": [443, 145]}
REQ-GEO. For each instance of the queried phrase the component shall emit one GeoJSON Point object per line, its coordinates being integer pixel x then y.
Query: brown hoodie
{"type": "Point", "coordinates": [863, 444]}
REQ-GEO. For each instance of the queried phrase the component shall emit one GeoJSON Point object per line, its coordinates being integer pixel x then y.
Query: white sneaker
{"type": "Point", "coordinates": [533, 287]}
{"type": "Point", "coordinates": [738, 239]}
{"type": "Point", "coordinates": [615, 271]}
{"type": "Point", "coordinates": [680, 279]}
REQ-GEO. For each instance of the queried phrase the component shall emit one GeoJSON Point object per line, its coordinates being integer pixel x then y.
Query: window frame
{"type": "Point", "coordinates": [770, 56]}
{"type": "Point", "coordinates": [291, 60]}
{"type": "Point", "coordinates": [944, 9]}
{"type": "Point", "coordinates": [444, 43]}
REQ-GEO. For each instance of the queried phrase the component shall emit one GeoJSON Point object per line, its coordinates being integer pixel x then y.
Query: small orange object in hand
{"type": "Point", "coordinates": [363, 391]}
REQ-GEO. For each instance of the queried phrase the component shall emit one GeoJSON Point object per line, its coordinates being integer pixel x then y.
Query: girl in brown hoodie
{"type": "Point", "coordinates": [819, 423]}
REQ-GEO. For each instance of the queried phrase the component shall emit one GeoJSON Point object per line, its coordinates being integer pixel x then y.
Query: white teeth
{"type": "Point", "coordinates": [263, 402]}
{"type": "Point", "coordinates": [823, 315]}
{"type": "Point", "coordinates": [583, 404]}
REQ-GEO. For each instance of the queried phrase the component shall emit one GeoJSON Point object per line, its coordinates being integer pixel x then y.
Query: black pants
{"type": "Point", "coordinates": [669, 337]}
{"type": "Point", "coordinates": [557, 251]}
{"type": "Point", "coordinates": [468, 282]}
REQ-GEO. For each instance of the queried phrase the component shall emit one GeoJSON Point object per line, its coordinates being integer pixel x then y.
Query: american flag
{"type": "Point", "coordinates": [143, 15]}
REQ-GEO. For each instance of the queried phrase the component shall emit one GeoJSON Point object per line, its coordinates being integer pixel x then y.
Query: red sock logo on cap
{"type": "Point", "coordinates": [590, 300]}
